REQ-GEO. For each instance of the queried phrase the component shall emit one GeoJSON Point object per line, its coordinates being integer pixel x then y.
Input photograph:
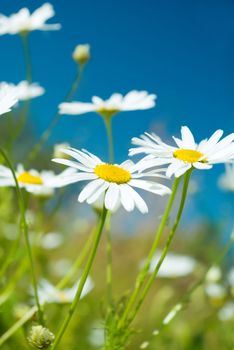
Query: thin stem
{"type": "Point", "coordinates": [46, 134]}
{"type": "Point", "coordinates": [83, 279]}
{"type": "Point", "coordinates": [143, 273]}
{"type": "Point", "coordinates": [27, 57]}
{"type": "Point", "coordinates": [184, 301]}
{"type": "Point", "coordinates": [11, 255]}
{"type": "Point", "coordinates": [62, 284]}
{"type": "Point", "coordinates": [64, 281]}
{"type": "Point", "coordinates": [17, 325]}
{"type": "Point", "coordinates": [24, 229]}
{"type": "Point", "coordinates": [109, 267]}
{"type": "Point", "coordinates": [108, 125]}
{"type": "Point", "coordinates": [167, 245]}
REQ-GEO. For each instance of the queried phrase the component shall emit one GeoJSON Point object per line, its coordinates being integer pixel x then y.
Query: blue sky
{"type": "Point", "coordinates": [181, 50]}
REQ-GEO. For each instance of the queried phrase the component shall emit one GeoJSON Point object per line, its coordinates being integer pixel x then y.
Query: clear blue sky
{"type": "Point", "coordinates": [181, 50]}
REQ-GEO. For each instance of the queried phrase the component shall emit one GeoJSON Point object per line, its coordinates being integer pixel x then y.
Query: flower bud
{"type": "Point", "coordinates": [58, 153]}
{"type": "Point", "coordinates": [40, 337]}
{"type": "Point", "coordinates": [81, 54]}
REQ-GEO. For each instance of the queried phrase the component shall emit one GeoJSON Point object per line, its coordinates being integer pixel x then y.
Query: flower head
{"type": "Point", "coordinates": [187, 153]}
{"type": "Point", "coordinates": [174, 265]}
{"type": "Point", "coordinates": [23, 21]}
{"type": "Point", "coordinates": [81, 54]}
{"type": "Point", "coordinates": [117, 182]}
{"type": "Point", "coordinates": [226, 180]}
{"type": "Point", "coordinates": [39, 183]}
{"type": "Point", "coordinates": [50, 294]}
{"type": "Point", "coordinates": [7, 98]}
{"type": "Point", "coordinates": [40, 337]}
{"type": "Point", "coordinates": [134, 100]}
{"type": "Point", "coordinates": [24, 91]}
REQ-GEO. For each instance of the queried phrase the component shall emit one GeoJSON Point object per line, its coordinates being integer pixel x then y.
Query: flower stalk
{"type": "Point", "coordinates": [24, 230]}
{"type": "Point", "coordinates": [83, 279]}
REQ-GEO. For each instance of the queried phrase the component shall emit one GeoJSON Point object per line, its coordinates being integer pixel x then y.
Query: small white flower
{"type": "Point", "coordinates": [227, 312]}
{"type": "Point", "coordinates": [187, 154]}
{"type": "Point", "coordinates": [7, 99]}
{"type": "Point", "coordinates": [226, 180]}
{"type": "Point", "coordinates": [116, 181]}
{"type": "Point", "coordinates": [134, 100]}
{"type": "Point", "coordinates": [23, 21]}
{"type": "Point", "coordinates": [24, 91]}
{"type": "Point", "coordinates": [174, 265]}
{"type": "Point", "coordinates": [96, 335]}
{"type": "Point", "coordinates": [39, 183]}
{"type": "Point", "coordinates": [215, 290]}
{"type": "Point", "coordinates": [214, 274]}
{"type": "Point", "coordinates": [50, 294]}
{"type": "Point", "coordinates": [51, 240]}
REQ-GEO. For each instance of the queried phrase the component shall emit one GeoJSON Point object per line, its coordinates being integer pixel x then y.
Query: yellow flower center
{"type": "Point", "coordinates": [107, 112]}
{"type": "Point", "coordinates": [112, 173]}
{"type": "Point", "coordinates": [62, 297]}
{"type": "Point", "coordinates": [27, 178]}
{"type": "Point", "coordinates": [188, 155]}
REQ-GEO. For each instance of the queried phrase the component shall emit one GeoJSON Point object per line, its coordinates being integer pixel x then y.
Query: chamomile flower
{"type": "Point", "coordinates": [50, 294]}
{"type": "Point", "coordinates": [24, 91]}
{"type": "Point", "coordinates": [226, 180]}
{"type": "Point", "coordinates": [187, 154]}
{"type": "Point", "coordinates": [7, 99]}
{"type": "Point", "coordinates": [134, 100]}
{"type": "Point", "coordinates": [174, 265]}
{"type": "Point", "coordinates": [116, 182]}
{"type": "Point", "coordinates": [39, 183]}
{"type": "Point", "coordinates": [24, 21]}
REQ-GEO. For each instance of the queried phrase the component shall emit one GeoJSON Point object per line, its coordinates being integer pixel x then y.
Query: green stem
{"type": "Point", "coordinates": [184, 301]}
{"type": "Point", "coordinates": [64, 281]}
{"type": "Point", "coordinates": [108, 125]}
{"type": "Point", "coordinates": [109, 267]}
{"type": "Point", "coordinates": [46, 134]}
{"type": "Point", "coordinates": [24, 229]}
{"type": "Point", "coordinates": [83, 279]}
{"type": "Point", "coordinates": [11, 255]}
{"type": "Point", "coordinates": [167, 245]}
{"type": "Point", "coordinates": [143, 273]}
{"type": "Point", "coordinates": [27, 57]}
{"type": "Point", "coordinates": [60, 285]}
{"type": "Point", "coordinates": [17, 325]}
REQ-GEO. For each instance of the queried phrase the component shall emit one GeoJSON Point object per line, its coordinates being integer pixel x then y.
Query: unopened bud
{"type": "Point", "coordinates": [58, 153]}
{"type": "Point", "coordinates": [40, 337]}
{"type": "Point", "coordinates": [81, 54]}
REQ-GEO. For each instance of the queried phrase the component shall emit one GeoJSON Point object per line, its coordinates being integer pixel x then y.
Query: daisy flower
{"type": "Point", "coordinates": [226, 180]}
{"type": "Point", "coordinates": [39, 183]}
{"type": "Point", "coordinates": [7, 98]}
{"type": "Point", "coordinates": [134, 100]}
{"type": "Point", "coordinates": [23, 21]}
{"type": "Point", "coordinates": [116, 182]}
{"type": "Point", "coordinates": [50, 294]}
{"type": "Point", "coordinates": [174, 265]}
{"type": "Point", "coordinates": [24, 91]}
{"type": "Point", "coordinates": [187, 153]}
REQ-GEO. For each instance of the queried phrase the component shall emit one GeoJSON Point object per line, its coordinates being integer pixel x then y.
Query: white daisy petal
{"type": "Point", "coordinates": [23, 21]}
{"type": "Point", "coordinates": [187, 138]}
{"type": "Point", "coordinates": [89, 189]}
{"type": "Point", "coordinates": [125, 197]}
{"type": "Point", "coordinates": [187, 155]}
{"type": "Point", "coordinates": [112, 197]}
